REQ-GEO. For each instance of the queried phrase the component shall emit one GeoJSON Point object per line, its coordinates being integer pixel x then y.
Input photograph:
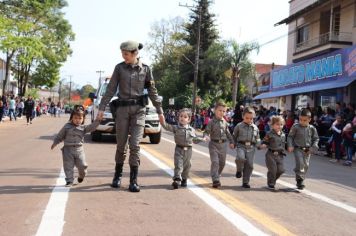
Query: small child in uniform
{"type": "Point", "coordinates": [247, 138]}
{"type": "Point", "coordinates": [184, 136]}
{"type": "Point", "coordinates": [302, 139]}
{"type": "Point", "coordinates": [275, 140]}
{"type": "Point", "coordinates": [72, 134]}
{"type": "Point", "coordinates": [217, 131]}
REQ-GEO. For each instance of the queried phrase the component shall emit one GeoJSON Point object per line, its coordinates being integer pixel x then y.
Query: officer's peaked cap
{"type": "Point", "coordinates": [131, 46]}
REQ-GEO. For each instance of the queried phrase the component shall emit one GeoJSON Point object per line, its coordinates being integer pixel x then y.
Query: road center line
{"type": "Point", "coordinates": [53, 218]}
{"type": "Point", "coordinates": [286, 184]}
{"type": "Point", "coordinates": [238, 221]}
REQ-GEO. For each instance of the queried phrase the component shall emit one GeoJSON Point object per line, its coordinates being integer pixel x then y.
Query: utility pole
{"type": "Point", "coordinates": [60, 90]}
{"type": "Point", "coordinates": [196, 62]}
{"type": "Point", "coordinates": [70, 87]}
{"type": "Point", "coordinates": [99, 72]}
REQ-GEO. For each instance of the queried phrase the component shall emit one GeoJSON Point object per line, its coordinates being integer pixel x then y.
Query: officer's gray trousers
{"type": "Point", "coordinates": [275, 167]}
{"type": "Point", "coordinates": [182, 162]}
{"type": "Point", "coordinates": [74, 156]}
{"type": "Point", "coordinates": [217, 153]}
{"type": "Point", "coordinates": [301, 163]}
{"type": "Point", "coordinates": [129, 119]}
{"type": "Point", "coordinates": [244, 162]}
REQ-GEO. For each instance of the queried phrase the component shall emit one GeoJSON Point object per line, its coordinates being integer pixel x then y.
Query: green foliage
{"type": "Point", "coordinates": [46, 74]}
{"type": "Point", "coordinates": [172, 45]}
{"type": "Point", "coordinates": [85, 90]}
{"type": "Point", "coordinates": [37, 35]}
{"type": "Point", "coordinates": [33, 92]}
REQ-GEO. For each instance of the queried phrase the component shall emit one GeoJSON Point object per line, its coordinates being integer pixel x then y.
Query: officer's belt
{"type": "Point", "coordinates": [130, 102]}
{"type": "Point", "coordinates": [305, 149]}
{"type": "Point", "coordinates": [277, 152]}
{"type": "Point", "coordinates": [246, 143]}
{"type": "Point", "coordinates": [184, 147]}
{"type": "Point", "coordinates": [218, 140]}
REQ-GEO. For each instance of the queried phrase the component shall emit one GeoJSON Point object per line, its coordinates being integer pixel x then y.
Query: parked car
{"type": "Point", "coordinates": [107, 125]}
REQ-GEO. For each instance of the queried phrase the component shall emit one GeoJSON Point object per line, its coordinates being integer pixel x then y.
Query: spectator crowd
{"type": "Point", "coordinates": [14, 107]}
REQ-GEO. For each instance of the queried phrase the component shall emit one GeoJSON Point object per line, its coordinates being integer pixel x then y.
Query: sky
{"type": "Point", "coordinates": [101, 25]}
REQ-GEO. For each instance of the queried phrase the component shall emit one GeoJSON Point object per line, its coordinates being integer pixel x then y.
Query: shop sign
{"type": "Point", "coordinates": [331, 66]}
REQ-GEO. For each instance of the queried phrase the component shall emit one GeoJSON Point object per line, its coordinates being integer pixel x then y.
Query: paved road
{"type": "Point", "coordinates": [33, 200]}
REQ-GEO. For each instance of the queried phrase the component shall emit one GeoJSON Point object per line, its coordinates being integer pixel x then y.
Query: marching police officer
{"type": "Point", "coordinates": [130, 78]}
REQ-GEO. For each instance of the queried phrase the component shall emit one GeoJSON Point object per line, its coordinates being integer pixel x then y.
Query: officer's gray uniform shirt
{"type": "Point", "coordinates": [73, 135]}
{"type": "Point", "coordinates": [132, 80]}
{"type": "Point", "coordinates": [302, 136]}
{"type": "Point", "coordinates": [219, 134]}
{"type": "Point", "coordinates": [274, 158]}
{"type": "Point", "coordinates": [246, 133]}
{"type": "Point", "coordinates": [245, 153]}
{"type": "Point", "coordinates": [275, 141]}
{"type": "Point", "coordinates": [72, 151]}
{"type": "Point", "coordinates": [183, 137]}
{"type": "Point", "coordinates": [218, 130]}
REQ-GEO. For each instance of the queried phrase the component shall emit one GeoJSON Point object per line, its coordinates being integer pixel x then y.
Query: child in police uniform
{"type": "Point", "coordinates": [184, 136]}
{"type": "Point", "coordinates": [247, 138]}
{"type": "Point", "coordinates": [218, 133]}
{"type": "Point", "coordinates": [302, 139]}
{"type": "Point", "coordinates": [275, 140]}
{"type": "Point", "coordinates": [73, 136]}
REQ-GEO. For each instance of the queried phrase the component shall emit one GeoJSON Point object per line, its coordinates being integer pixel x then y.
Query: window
{"type": "Point", "coordinates": [354, 13]}
{"type": "Point", "coordinates": [303, 34]}
{"type": "Point", "coordinates": [336, 20]}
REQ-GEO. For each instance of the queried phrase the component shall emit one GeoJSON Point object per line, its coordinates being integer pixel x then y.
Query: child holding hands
{"type": "Point", "coordinates": [73, 136]}
{"type": "Point", "coordinates": [275, 140]}
{"type": "Point", "coordinates": [184, 136]}
{"type": "Point", "coordinates": [218, 133]}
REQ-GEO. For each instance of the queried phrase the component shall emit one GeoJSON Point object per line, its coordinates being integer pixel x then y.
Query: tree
{"type": "Point", "coordinates": [208, 36]}
{"type": "Point", "coordinates": [85, 90]}
{"type": "Point", "coordinates": [240, 64]}
{"type": "Point", "coordinates": [168, 49]}
{"type": "Point", "coordinates": [36, 33]}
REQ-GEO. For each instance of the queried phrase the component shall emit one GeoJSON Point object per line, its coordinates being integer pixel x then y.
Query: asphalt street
{"type": "Point", "coordinates": [34, 201]}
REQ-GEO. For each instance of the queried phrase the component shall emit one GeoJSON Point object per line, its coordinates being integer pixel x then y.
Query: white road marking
{"type": "Point", "coordinates": [286, 184]}
{"type": "Point", "coordinates": [238, 221]}
{"type": "Point", "coordinates": [53, 218]}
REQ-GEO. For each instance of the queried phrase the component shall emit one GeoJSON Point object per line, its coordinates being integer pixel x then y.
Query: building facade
{"type": "Point", "coordinates": [321, 56]}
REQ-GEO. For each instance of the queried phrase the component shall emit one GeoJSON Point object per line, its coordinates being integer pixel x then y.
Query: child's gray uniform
{"type": "Point", "coordinates": [274, 156]}
{"type": "Point", "coordinates": [219, 134]}
{"type": "Point", "coordinates": [72, 151]}
{"type": "Point", "coordinates": [183, 137]}
{"type": "Point", "coordinates": [246, 137]}
{"type": "Point", "coordinates": [302, 138]}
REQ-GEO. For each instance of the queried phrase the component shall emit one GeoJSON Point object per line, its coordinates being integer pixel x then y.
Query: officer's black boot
{"type": "Point", "coordinates": [134, 187]}
{"type": "Point", "coordinates": [300, 184]}
{"type": "Point", "coordinates": [116, 181]}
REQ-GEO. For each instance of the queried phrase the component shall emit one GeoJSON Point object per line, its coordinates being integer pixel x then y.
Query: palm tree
{"type": "Point", "coordinates": [240, 64]}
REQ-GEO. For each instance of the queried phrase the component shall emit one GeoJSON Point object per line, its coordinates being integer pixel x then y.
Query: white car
{"type": "Point", "coordinates": [107, 125]}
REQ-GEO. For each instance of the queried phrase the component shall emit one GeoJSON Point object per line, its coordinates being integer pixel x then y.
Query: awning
{"type": "Point", "coordinates": [301, 12]}
{"type": "Point", "coordinates": [309, 88]}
